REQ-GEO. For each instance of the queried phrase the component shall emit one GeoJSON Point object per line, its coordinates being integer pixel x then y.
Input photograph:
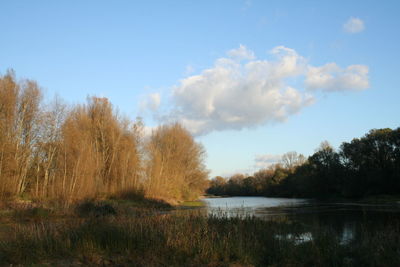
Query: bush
{"type": "Point", "coordinates": [91, 209]}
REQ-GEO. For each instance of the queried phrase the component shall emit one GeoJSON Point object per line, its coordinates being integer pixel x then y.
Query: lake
{"type": "Point", "coordinates": [346, 219]}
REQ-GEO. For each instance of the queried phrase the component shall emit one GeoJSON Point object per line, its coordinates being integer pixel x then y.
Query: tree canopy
{"type": "Point", "coordinates": [67, 153]}
{"type": "Point", "coordinates": [366, 166]}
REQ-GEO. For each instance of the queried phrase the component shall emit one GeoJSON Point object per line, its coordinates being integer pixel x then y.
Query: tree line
{"type": "Point", "coordinates": [66, 153]}
{"type": "Point", "coordinates": [366, 166]}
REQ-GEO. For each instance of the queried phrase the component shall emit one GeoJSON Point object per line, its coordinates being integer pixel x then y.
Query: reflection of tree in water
{"type": "Point", "coordinates": [348, 223]}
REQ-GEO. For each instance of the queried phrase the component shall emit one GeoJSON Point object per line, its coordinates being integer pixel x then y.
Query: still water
{"type": "Point", "coordinates": [346, 219]}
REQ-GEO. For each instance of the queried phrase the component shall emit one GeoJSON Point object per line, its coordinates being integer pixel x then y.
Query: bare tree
{"type": "Point", "coordinates": [292, 159]}
{"type": "Point", "coordinates": [56, 152]}
{"type": "Point", "coordinates": [19, 112]}
{"type": "Point", "coordinates": [175, 168]}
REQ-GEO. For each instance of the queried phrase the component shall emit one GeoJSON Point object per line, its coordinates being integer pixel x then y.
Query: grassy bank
{"type": "Point", "coordinates": [117, 233]}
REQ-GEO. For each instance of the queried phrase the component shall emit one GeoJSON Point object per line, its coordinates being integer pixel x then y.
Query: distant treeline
{"type": "Point", "coordinates": [366, 166]}
{"type": "Point", "coordinates": [66, 153]}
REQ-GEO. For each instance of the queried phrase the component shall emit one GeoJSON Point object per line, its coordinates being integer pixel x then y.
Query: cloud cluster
{"type": "Point", "coordinates": [241, 53]}
{"type": "Point", "coordinates": [241, 91]}
{"type": "Point", "coordinates": [331, 77]}
{"type": "Point", "coordinates": [354, 25]}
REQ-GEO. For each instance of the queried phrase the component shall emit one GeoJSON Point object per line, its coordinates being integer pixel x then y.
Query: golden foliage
{"type": "Point", "coordinates": [66, 154]}
{"type": "Point", "coordinates": [175, 167]}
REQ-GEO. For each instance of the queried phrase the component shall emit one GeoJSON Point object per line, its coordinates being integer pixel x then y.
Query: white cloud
{"type": "Point", "coordinates": [331, 77]}
{"type": "Point", "coordinates": [152, 102]}
{"type": "Point", "coordinates": [235, 94]}
{"type": "Point", "coordinates": [263, 161]}
{"type": "Point", "coordinates": [232, 95]}
{"type": "Point", "coordinates": [241, 53]}
{"type": "Point", "coordinates": [354, 25]}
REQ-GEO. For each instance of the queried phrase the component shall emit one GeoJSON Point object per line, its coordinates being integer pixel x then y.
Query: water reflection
{"type": "Point", "coordinates": [298, 239]}
{"type": "Point", "coordinates": [345, 219]}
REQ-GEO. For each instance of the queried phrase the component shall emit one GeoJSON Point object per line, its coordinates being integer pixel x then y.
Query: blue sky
{"type": "Point", "coordinates": [251, 79]}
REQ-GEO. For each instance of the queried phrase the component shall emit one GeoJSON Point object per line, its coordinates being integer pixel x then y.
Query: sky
{"type": "Point", "coordinates": [251, 80]}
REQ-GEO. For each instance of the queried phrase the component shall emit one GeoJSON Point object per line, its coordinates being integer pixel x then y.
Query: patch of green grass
{"type": "Point", "coordinates": [132, 195]}
{"type": "Point", "coordinates": [141, 204]}
{"type": "Point", "coordinates": [196, 203]}
{"type": "Point", "coordinates": [137, 199]}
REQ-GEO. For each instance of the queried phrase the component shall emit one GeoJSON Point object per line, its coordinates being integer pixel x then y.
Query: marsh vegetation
{"type": "Point", "coordinates": [136, 237]}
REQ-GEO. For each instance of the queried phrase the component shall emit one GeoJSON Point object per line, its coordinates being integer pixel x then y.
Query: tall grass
{"type": "Point", "coordinates": [192, 240]}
